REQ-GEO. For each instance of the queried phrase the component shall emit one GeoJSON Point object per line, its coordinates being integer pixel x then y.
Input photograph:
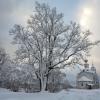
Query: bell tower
{"type": "Point", "coordinates": [93, 68]}
{"type": "Point", "coordinates": [86, 65]}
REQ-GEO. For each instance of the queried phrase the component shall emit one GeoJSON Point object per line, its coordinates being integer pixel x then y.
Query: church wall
{"type": "Point", "coordinates": [84, 84]}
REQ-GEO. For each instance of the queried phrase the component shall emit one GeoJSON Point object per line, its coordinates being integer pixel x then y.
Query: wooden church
{"type": "Point", "coordinates": [87, 78]}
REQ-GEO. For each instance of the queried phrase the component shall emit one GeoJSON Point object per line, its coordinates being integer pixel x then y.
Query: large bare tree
{"type": "Point", "coordinates": [47, 43]}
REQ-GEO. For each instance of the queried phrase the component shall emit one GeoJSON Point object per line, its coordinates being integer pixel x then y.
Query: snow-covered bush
{"type": "Point", "coordinates": [57, 81]}
{"type": "Point", "coordinates": [17, 77]}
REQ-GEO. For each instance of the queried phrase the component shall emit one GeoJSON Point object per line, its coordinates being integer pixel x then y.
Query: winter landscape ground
{"type": "Point", "coordinates": [71, 94]}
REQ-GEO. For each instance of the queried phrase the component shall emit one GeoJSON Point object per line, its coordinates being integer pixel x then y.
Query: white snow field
{"type": "Point", "coordinates": [72, 94]}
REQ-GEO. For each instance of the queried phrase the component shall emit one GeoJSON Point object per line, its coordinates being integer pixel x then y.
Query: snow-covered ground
{"type": "Point", "coordinates": [72, 94]}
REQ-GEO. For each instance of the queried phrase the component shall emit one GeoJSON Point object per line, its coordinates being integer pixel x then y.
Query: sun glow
{"type": "Point", "coordinates": [85, 19]}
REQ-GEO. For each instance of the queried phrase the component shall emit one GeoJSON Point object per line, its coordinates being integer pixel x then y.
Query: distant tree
{"type": "Point", "coordinates": [13, 75]}
{"type": "Point", "coordinates": [3, 56]}
{"type": "Point", "coordinates": [4, 65]}
{"type": "Point", "coordinates": [47, 43]}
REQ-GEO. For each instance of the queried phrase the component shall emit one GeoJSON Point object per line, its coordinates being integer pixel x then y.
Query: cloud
{"type": "Point", "coordinates": [7, 6]}
{"type": "Point", "coordinates": [15, 12]}
{"type": "Point", "coordinates": [11, 12]}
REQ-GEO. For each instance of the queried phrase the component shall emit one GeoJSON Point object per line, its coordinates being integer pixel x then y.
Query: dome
{"type": "Point", "coordinates": [85, 60]}
{"type": "Point", "coordinates": [86, 65]}
{"type": "Point", "coordinates": [93, 68]}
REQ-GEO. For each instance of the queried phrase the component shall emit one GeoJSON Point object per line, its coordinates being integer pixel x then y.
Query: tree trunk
{"type": "Point", "coordinates": [40, 84]}
{"type": "Point", "coordinates": [43, 83]}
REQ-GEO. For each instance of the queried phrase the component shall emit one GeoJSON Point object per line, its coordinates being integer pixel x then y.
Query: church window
{"type": "Point", "coordinates": [81, 84]}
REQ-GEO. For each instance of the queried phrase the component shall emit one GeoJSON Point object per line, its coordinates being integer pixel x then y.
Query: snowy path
{"type": "Point", "coordinates": [72, 94]}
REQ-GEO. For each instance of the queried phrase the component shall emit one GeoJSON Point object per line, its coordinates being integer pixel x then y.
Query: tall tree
{"type": "Point", "coordinates": [47, 43]}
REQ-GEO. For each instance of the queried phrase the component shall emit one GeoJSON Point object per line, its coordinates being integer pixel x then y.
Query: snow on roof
{"type": "Point", "coordinates": [90, 71]}
{"type": "Point", "coordinates": [83, 78]}
{"type": "Point", "coordinates": [90, 84]}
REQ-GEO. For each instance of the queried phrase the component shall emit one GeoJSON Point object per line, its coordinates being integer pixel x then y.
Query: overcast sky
{"type": "Point", "coordinates": [85, 12]}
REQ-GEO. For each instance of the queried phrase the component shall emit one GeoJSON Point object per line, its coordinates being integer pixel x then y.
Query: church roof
{"type": "Point", "coordinates": [83, 78]}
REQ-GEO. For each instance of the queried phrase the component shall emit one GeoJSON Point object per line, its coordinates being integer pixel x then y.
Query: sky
{"type": "Point", "coordinates": [84, 12]}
